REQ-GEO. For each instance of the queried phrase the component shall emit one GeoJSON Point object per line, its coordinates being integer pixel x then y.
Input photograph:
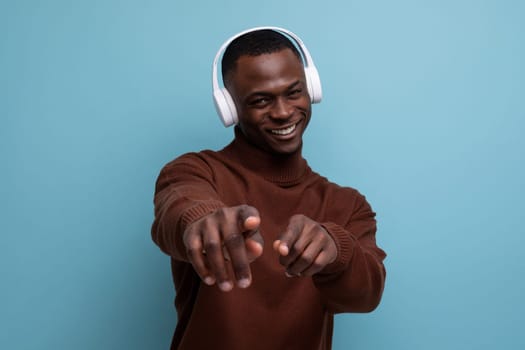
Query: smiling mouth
{"type": "Point", "coordinates": [285, 131]}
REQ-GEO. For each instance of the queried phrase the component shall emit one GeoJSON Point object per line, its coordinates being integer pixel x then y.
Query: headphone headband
{"type": "Point", "coordinates": [222, 98]}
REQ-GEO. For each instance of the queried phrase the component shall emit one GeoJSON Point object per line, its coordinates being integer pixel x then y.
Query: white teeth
{"type": "Point", "coordinates": [284, 131]}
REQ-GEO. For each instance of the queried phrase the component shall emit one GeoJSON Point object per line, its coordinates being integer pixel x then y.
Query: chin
{"type": "Point", "coordinates": [289, 149]}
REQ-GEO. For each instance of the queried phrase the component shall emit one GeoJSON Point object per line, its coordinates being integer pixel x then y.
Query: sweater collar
{"type": "Point", "coordinates": [285, 170]}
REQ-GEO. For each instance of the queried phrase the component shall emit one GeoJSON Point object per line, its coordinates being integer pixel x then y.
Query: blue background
{"type": "Point", "coordinates": [423, 112]}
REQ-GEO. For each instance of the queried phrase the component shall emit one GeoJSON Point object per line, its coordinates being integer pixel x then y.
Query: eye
{"type": "Point", "coordinates": [259, 102]}
{"type": "Point", "coordinates": [295, 93]}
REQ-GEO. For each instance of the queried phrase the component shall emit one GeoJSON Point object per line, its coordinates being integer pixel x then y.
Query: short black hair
{"type": "Point", "coordinates": [255, 43]}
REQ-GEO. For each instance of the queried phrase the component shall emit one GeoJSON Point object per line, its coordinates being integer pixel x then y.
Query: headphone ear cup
{"type": "Point", "coordinates": [225, 107]}
{"type": "Point", "coordinates": [314, 84]}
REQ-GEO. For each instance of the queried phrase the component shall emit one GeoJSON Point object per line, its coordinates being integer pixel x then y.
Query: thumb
{"type": "Point", "coordinates": [251, 223]}
{"type": "Point", "coordinates": [254, 247]}
{"type": "Point", "coordinates": [248, 219]}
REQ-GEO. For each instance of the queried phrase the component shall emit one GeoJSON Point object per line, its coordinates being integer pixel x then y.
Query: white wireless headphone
{"type": "Point", "coordinates": [222, 98]}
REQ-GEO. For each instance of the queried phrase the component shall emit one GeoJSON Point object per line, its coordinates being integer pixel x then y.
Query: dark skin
{"type": "Point", "coordinates": [274, 109]}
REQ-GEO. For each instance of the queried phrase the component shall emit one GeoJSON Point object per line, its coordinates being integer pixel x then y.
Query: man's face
{"type": "Point", "coordinates": [272, 100]}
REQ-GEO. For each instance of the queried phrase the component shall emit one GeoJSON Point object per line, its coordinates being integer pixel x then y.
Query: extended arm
{"type": "Point", "coordinates": [344, 261]}
{"type": "Point", "coordinates": [193, 225]}
{"type": "Point", "coordinates": [184, 193]}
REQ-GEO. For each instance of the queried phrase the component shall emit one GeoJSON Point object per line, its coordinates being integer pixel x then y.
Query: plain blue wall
{"type": "Point", "coordinates": [423, 112]}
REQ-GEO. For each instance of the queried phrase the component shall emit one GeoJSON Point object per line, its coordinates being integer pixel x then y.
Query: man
{"type": "Point", "coordinates": [264, 250]}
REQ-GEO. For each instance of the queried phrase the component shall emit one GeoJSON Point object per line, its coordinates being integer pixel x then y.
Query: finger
{"type": "Point", "coordinates": [254, 248]}
{"type": "Point", "coordinates": [280, 247]}
{"type": "Point", "coordinates": [234, 245]}
{"type": "Point", "coordinates": [194, 251]}
{"type": "Point", "coordinates": [297, 249]}
{"type": "Point", "coordinates": [318, 265]}
{"type": "Point", "coordinates": [305, 260]}
{"type": "Point", "coordinates": [248, 220]}
{"type": "Point", "coordinates": [289, 236]}
{"type": "Point", "coordinates": [251, 224]}
{"type": "Point", "coordinates": [225, 254]}
{"type": "Point", "coordinates": [276, 245]}
{"type": "Point", "coordinates": [215, 258]}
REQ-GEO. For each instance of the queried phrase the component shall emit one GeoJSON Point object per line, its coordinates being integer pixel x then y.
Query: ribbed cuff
{"type": "Point", "coordinates": [191, 215]}
{"type": "Point", "coordinates": [198, 211]}
{"type": "Point", "coordinates": [345, 243]}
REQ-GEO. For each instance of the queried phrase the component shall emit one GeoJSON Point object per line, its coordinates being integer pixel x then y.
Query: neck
{"type": "Point", "coordinates": [283, 169]}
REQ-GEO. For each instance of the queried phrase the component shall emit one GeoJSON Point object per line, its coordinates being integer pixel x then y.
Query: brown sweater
{"type": "Point", "coordinates": [275, 312]}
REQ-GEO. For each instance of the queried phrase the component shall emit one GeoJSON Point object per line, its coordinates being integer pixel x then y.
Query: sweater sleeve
{"type": "Point", "coordinates": [184, 192]}
{"type": "Point", "coordinates": [354, 282]}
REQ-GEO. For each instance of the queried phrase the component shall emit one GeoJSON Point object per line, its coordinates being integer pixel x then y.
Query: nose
{"type": "Point", "coordinates": [281, 109]}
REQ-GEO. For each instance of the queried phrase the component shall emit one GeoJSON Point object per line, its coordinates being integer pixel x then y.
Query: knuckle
{"type": "Point", "coordinates": [219, 213]}
{"type": "Point", "coordinates": [243, 207]}
{"type": "Point", "coordinates": [212, 246]}
{"type": "Point", "coordinates": [189, 235]}
{"type": "Point", "coordinates": [299, 217]}
{"type": "Point", "coordinates": [191, 252]}
{"type": "Point", "coordinates": [322, 238]}
{"type": "Point", "coordinates": [317, 265]}
{"type": "Point", "coordinates": [298, 247]}
{"type": "Point", "coordinates": [297, 224]}
{"type": "Point", "coordinates": [306, 259]}
{"type": "Point", "coordinates": [191, 246]}
{"type": "Point", "coordinates": [244, 210]}
{"type": "Point", "coordinates": [294, 219]}
{"type": "Point", "coordinates": [191, 242]}
{"type": "Point", "coordinates": [234, 240]}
